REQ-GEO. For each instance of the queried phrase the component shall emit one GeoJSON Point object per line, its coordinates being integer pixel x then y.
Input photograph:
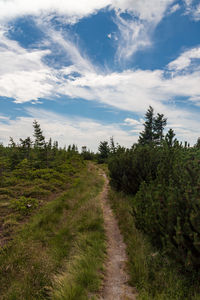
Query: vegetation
{"type": "Point", "coordinates": [161, 177]}
{"type": "Point", "coordinates": [32, 173]}
{"type": "Point", "coordinates": [52, 234]}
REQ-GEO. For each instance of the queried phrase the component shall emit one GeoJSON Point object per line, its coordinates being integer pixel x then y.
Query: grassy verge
{"type": "Point", "coordinates": [59, 253]}
{"type": "Point", "coordinates": [154, 276]}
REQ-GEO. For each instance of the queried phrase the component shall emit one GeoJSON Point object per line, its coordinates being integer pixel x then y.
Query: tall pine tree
{"type": "Point", "coordinates": [146, 136]}
{"type": "Point", "coordinates": [153, 128]}
{"type": "Point", "coordinates": [39, 137]}
{"type": "Point", "coordinates": [159, 124]}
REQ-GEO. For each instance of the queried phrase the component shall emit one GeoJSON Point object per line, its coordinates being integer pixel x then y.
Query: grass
{"type": "Point", "coordinates": [59, 253]}
{"type": "Point", "coordinates": [154, 276]}
{"type": "Point", "coordinates": [42, 185]}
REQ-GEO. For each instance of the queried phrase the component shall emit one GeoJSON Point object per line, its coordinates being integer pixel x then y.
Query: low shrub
{"type": "Point", "coordinates": [24, 205]}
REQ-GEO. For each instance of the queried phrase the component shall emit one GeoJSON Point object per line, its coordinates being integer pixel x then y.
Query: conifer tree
{"type": "Point", "coordinates": [197, 145]}
{"type": "Point", "coordinates": [158, 126]}
{"type": "Point", "coordinates": [26, 145]}
{"type": "Point", "coordinates": [104, 150]}
{"type": "Point", "coordinates": [39, 137]}
{"type": "Point", "coordinates": [146, 136]}
{"type": "Point", "coordinates": [169, 138]}
{"type": "Point", "coordinates": [112, 145]}
{"type": "Point", "coordinates": [40, 146]}
{"type": "Point", "coordinates": [153, 128]}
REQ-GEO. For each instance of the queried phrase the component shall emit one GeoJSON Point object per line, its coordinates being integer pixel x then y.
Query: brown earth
{"type": "Point", "coordinates": [115, 285]}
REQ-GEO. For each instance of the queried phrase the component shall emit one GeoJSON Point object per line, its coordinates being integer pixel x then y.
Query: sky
{"type": "Point", "coordinates": [87, 70]}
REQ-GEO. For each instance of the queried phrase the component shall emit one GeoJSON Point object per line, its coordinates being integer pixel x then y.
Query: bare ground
{"type": "Point", "coordinates": [115, 286]}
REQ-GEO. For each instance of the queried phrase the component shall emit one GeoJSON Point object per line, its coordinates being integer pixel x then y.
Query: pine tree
{"type": "Point", "coordinates": [12, 143]}
{"type": "Point", "coordinates": [158, 126]}
{"type": "Point", "coordinates": [25, 146]}
{"type": "Point", "coordinates": [146, 136]}
{"type": "Point", "coordinates": [40, 146]}
{"type": "Point", "coordinates": [197, 145]}
{"type": "Point", "coordinates": [104, 151]}
{"type": "Point", "coordinates": [153, 128]}
{"type": "Point", "coordinates": [39, 137]}
{"type": "Point", "coordinates": [112, 146]}
{"type": "Point", "coordinates": [169, 138]}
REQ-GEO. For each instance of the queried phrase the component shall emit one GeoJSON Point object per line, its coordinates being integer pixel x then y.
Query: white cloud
{"type": "Point", "coordinates": [151, 11]}
{"type": "Point", "coordinates": [192, 9]}
{"type": "Point", "coordinates": [72, 9]}
{"type": "Point", "coordinates": [134, 36]}
{"type": "Point", "coordinates": [66, 130]}
{"type": "Point", "coordinates": [131, 122]}
{"type": "Point", "coordinates": [196, 13]}
{"type": "Point", "coordinates": [136, 125]}
{"type": "Point", "coordinates": [174, 8]}
{"type": "Point", "coordinates": [23, 75]}
{"type": "Point", "coordinates": [185, 59]}
{"type": "Point", "coordinates": [73, 53]}
{"type": "Point", "coordinates": [136, 33]}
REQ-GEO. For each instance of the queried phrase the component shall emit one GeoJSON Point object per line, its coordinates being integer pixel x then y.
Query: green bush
{"type": "Point", "coordinates": [168, 208]}
{"type": "Point", "coordinates": [129, 168]}
{"type": "Point", "coordinates": [24, 205]}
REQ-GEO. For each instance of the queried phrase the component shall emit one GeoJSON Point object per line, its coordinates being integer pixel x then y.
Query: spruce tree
{"type": "Point", "coordinates": [197, 145]}
{"type": "Point", "coordinates": [39, 137]}
{"type": "Point", "coordinates": [158, 126]}
{"type": "Point", "coordinates": [40, 146]}
{"type": "Point", "coordinates": [153, 128]}
{"type": "Point", "coordinates": [146, 136]}
{"type": "Point", "coordinates": [104, 151]}
{"type": "Point", "coordinates": [169, 138]}
{"type": "Point", "coordinates": [112, 145]}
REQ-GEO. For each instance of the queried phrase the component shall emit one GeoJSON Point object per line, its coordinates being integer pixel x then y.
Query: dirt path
{"type": "Point", "coordinates": [115, 285]}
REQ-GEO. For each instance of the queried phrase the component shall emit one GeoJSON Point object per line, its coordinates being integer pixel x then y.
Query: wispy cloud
{"type": "Point", "coordinates": [185, 59]}
{"type": "Point", "coordinates": [192, 8]}
{"type": "Point", "coordinates": [174, 8]}
{"type": "Point", "coordinates": [133, 36]}
{"type": "Point", "coordinates": [135, 32]}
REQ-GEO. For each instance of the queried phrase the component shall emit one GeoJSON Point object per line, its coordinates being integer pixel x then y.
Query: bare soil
{"type": "Point", "coordinates": [115, 285]}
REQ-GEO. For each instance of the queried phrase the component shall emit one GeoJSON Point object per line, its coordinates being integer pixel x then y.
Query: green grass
{"type": "Point", "coordinates": [154, 276]}
{"type": "Point", "coordinates": [59, 253]}
{"type": "Point", "coordinates": [42, 185]}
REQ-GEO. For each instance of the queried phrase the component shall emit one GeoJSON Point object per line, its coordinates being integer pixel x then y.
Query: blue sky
{"type": "Point", "coordinates": [88, 70]}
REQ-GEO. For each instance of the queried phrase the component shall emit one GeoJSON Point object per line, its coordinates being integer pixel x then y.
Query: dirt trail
{"type": "Point", "coordinates": [115, 286]}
